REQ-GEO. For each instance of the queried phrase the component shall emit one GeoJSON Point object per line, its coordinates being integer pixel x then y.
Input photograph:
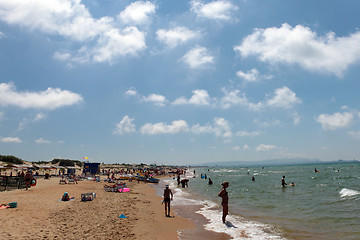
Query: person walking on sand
{"type": "Point", "coordinates": [225, 200]}
{"type": "Point", "coordinates": [168, 197]}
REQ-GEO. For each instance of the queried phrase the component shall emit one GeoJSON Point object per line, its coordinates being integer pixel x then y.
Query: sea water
{"type": "Point", "coordinates": [321, 205]}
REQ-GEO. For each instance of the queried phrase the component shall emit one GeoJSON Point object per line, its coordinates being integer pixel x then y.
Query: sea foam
{"type": "Point", "coordinates": [345, 192]}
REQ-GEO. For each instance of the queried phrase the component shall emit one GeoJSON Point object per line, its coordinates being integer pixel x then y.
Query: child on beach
{"type": "Point", "coordinates": [283, 183]}
{"type": "Point", "coordinates": [167, 200]}
{"type": "Point", "coordinates": [225, 200]}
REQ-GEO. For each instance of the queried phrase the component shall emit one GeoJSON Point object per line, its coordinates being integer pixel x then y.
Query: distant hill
{"type": "Point", "coordinates": [272, 162]}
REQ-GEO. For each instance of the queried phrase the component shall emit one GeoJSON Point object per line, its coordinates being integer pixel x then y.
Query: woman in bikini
{"type": "Point", "coordinates": [225, 200]}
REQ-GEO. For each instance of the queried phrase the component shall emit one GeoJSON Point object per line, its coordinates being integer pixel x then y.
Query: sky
{"type": "Point", "coordinates": [179, 82]}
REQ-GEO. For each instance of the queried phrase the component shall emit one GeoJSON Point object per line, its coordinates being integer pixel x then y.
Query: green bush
{"type": "Point", "coordinates": [11, 159]}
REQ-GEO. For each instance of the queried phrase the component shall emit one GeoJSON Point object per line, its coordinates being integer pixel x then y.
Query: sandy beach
{"type": "Point", "coordinates": [40, 214]}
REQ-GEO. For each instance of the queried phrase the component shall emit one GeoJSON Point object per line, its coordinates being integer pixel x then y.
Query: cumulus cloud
{"type": "Point", "coordinates": [137, 12]}
{"type": "Point", "coordinates": [175, 36]}
{"type": "Point", "coordinates": [336, 120]}
{"type": "Point", "coordinates": [264, 147]}
{"type": "Point", "coordinates": [177, 126]}
{"type": "Point", "coordinates": [252, 76]}
{"type": "Point", "coordinates": [72, 20]}
{"type": "Point", "coordinates": [42, 141]}
{"type": "Point", "coordinates": [131, 92]}
{"type": "Point", "coordinates": [157, 99]}
{"type": "Point", "coordinates": [198, 57]}
{"type": "Point", "coordinates": [126, 125]}
{"type": "Point", "coordinates": [199, 97]}
{"type": "Point", "coordinates": [221, 128]}
{"type": "Point", "coordinates": [116, 43]}
{"type": "Point", "coordinates": [218, 10]}
{"type": "Point", "coordinates": [11, 140]}
{"type": "Point", "coordinates": [49, 99]}
{"type": "Point", "coordinates": [281, 98]}
{"type": "Point", "coordinates": [300, 45]}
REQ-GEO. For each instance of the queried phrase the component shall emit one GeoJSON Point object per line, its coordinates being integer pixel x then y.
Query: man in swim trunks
{"type": "Point", "coordinates": [168, 197]}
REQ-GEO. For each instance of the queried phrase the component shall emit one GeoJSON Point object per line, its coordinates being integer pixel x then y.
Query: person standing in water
{"type": "Point", "coordinates": [168, 197]}
{"type": "Point", "coordinates": [283, 183]}
{"type": "Point", "coordinates": [225, 200]}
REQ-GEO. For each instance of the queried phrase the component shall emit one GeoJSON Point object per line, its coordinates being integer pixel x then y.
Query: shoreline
{"type": "Point", "coordinates": [189, 212]}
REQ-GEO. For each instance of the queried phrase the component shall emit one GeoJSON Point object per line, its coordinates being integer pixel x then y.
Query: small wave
{"type": "Point", "coordinates": [236, 226]}
{"type": "Point", "coordinates": [345, 192]}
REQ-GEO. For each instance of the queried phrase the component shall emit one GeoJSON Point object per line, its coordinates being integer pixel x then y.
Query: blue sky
{"type": "Point", "coordinates": [179, 82]}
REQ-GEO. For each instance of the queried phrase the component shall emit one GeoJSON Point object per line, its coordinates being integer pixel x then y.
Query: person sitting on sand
{"type": "Point", "coordinates": [167, 200]}
{"type": "Point", "coordinates": [65, 197]}
{"type": "Point", "coordinates": [283, 183]}
{"type": "Point", "coordinates": [225, 200]}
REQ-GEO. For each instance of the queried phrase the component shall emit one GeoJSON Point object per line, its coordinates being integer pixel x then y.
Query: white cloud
{"type": "Point", "coordinates": [199, 97]}
{"type": "Point", "coordinates": [220, 127]}
{"type": "Point", "coordinates": [49, 99]}
{"type": "Point", "coordinates": [42, 141]}
{"type": "Point", "coordinates": [218, 10]}
{"type": "Point", "coordinates": [2, 35]}
{"type": "Point", "coordinates": [300, 45]}
{"type": "Point", "coordinates": [137, 12]}
{"type": "Point", "coordinates": [335, 121]}
{"type": "Point", "coordinates": [175, 36]}
{"type": "Point", "coordinates": [283, 98]}
{"type": "Point", "coordinates": [198, 58]}
{"type": "Point", "coordinates": [246, 147]}
{"type": "Point", "coordinates": [247, 134]}
{"type": "Point", "coordinates": [126, 125]}
{"type": "Point", "coordinates": [101, 40]}
{"type": "Point", "coordinates": [264, 147]}
{"type": "Point", "coordinates": [11, 140]}
{"type": "Point", "coordinates": [116, 43]}
{"type": "Point", "coordinates": [156, 99]}
{"type": "Point", "coordinates": [131, 92]}
{"type": "Point", "coordinates": [163, 128]}
{"type": "Point", "coordinates": [250, 76]}
{"type": "Point", "coordinates": [232, 98]}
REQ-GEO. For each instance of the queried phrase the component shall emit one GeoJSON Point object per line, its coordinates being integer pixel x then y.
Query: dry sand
{"type": "Point", "coordinates": [40, 214]}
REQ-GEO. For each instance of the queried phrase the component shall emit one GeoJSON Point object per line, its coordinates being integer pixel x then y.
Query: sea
{"type": "Point", "coordinates": [322, 205]}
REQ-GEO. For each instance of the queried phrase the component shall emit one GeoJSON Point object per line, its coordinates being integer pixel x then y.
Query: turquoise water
{"type": "Point", "coordinates": [323, 205]}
